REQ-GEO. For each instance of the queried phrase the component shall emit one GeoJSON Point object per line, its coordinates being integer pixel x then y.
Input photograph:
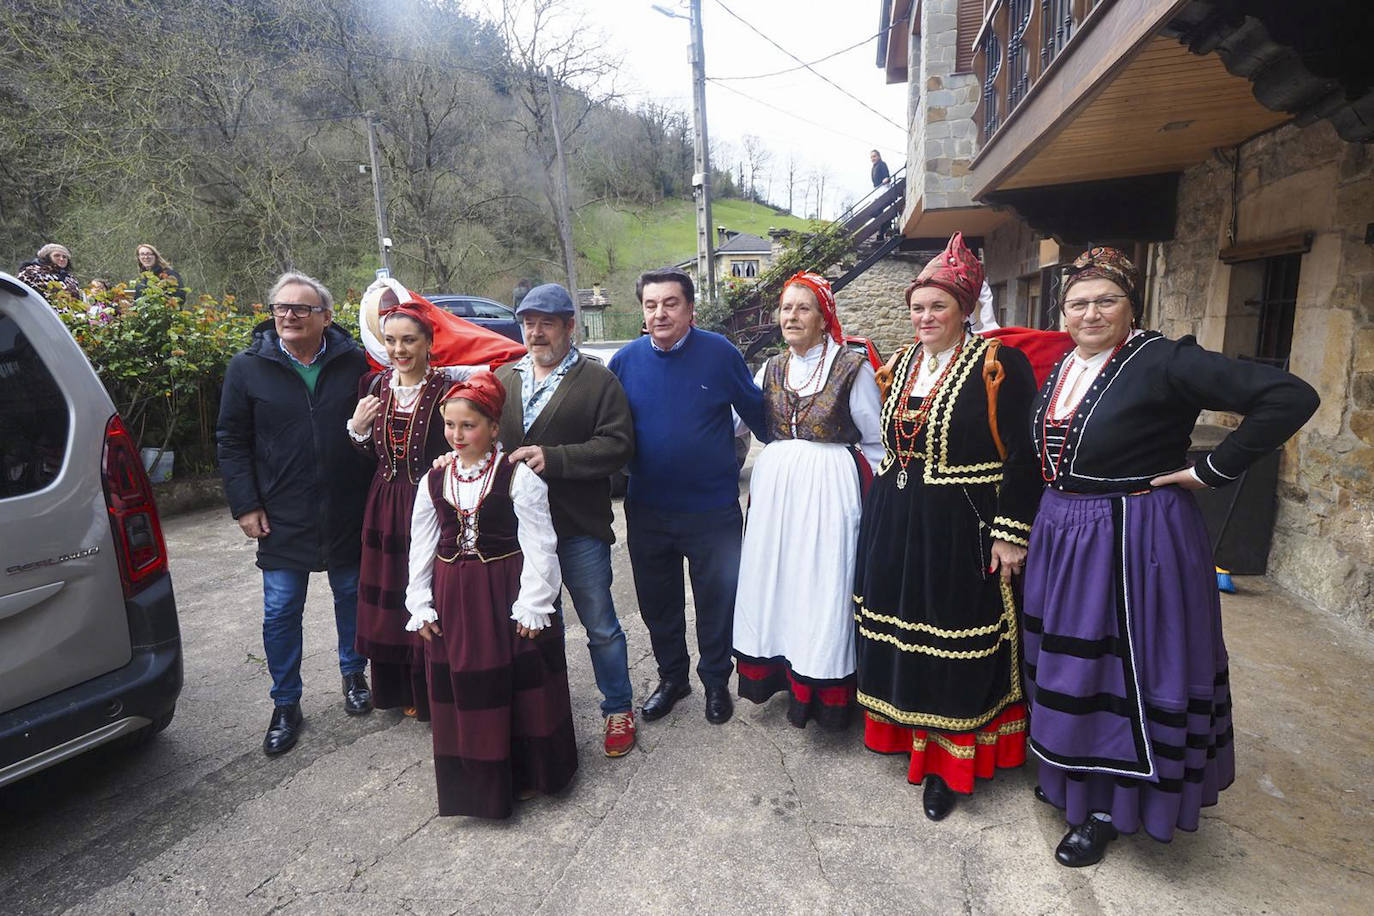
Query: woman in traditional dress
{"type": "Point", "coordinates": [498, 686]}
{"type": "Point", "coordinates": [397, 421]}
{"type": "Point", "coordinates": [1125, 664]}
{"type": "Point", "coordinates": [794, 628]}
{"type": "Point", "coordinates": [944, 528]}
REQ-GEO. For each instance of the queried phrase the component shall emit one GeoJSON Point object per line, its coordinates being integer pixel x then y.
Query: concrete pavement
{"type": "Point", "coordinates": [753, 816]}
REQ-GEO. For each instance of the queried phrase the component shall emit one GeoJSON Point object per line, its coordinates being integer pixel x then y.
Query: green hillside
{"type": "Point", "coordinates": [615, 245]}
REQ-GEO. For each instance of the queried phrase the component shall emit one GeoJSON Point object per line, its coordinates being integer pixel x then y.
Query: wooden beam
{"type": "Point", "coordinates": [1106, 42]}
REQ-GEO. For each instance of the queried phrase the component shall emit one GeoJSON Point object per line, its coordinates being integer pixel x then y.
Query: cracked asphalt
{"type": "Point", "coordinates": [754, 816]}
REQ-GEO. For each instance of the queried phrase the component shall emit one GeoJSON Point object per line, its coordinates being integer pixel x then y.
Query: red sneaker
{"type": "Point", "coordinates": [620, 733]}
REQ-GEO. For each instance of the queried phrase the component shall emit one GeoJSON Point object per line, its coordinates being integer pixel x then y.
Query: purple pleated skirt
{"type": "Point", "coordinates": [1126, 668]}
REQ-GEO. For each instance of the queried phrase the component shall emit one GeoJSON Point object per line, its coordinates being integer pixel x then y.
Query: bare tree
{"type": "Point", "coordinates": [539, 37]}
{"type": "Point", "coordinates": [756, 158]}
{"type": "Point", "coordinates": [792, 167]}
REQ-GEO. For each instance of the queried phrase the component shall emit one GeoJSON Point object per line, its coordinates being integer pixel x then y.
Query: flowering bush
{"type": "Point", "coordinates": [163, 362]}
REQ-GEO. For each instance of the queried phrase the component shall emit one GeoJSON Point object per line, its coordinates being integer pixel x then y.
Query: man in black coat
{"type": "Point", "coordinates": [296, 485]}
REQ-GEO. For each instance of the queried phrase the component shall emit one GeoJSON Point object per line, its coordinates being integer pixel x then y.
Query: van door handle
{"type": "Point", "coordinates": [21, 601]}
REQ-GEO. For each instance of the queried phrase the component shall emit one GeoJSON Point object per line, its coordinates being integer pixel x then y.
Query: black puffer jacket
{"type": "Point", "coordinates": [286, 451]}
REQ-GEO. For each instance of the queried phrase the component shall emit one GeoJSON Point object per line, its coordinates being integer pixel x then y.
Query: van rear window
{"type": "Point", "coordinates": [33, 416]}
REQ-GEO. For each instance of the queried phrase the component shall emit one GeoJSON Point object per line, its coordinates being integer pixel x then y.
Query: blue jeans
{"type": "Point", "coordinates": [283, 606]}
{"type": "Point", "coordinates": [710, 543]}
{"type": "Point", "coordinates": [586, 565]}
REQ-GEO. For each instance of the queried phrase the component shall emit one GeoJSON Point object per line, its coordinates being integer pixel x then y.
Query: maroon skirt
{"type": "Point", "coordinates": [502, 716]}
{"type": "Point", "coordinates": [398, 657]}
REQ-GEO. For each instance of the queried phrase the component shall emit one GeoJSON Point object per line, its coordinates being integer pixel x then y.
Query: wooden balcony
{"type": "Point", "coordinates": [1094, 90]}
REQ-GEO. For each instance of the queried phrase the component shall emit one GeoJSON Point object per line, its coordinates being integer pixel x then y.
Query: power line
{"type": "Point", "coordinates": [819, 60]}
{"type": "Point", "coordinates": [807, 66]}
{"type": "Point", "coordinates": [795, 116]}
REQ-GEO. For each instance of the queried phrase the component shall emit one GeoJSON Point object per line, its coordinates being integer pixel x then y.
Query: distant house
{"type": "Point", "coordinates": [739, 255]}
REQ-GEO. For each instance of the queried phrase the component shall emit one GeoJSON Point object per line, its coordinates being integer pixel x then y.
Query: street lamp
{"type": "Point", "coordinates": [701, 181]}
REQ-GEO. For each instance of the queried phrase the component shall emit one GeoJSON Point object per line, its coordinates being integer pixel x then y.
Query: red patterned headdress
{"type": "Point", "coordinates": [484, 390]}
{"type": "Point", "coordinates": [1102, 263]}
{"type": "Point", "coordinates": [956, 270]}
{"type": "Point", "coordinates": [411, 310]}
{"type": "Point", "coordinates": [825, 298]}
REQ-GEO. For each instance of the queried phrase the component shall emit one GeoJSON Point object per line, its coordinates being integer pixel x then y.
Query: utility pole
{"type": "Point", "coordinates": [564, 208]}
{"type": "Point", "coordinates": [383, 237]}
{"type": "Point", "coordinates": [701, 182]}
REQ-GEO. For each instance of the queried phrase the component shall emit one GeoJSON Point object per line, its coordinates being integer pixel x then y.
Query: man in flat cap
{"type": "Point", "coordinates": [571, 424]}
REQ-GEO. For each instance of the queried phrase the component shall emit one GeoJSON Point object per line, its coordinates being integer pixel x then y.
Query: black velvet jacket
{"type": "Point", "coordinates": [956, 445]}
{"type": "Point", "coordinates": [1136, 421]}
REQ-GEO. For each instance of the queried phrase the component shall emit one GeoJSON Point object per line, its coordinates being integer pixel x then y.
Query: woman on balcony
{"type": "Point", "coordinates": [944, 529]}
{"type": "Point", "coordinates": [1125, 665]}
{"type": "Point", "coordinates": [794, 628]}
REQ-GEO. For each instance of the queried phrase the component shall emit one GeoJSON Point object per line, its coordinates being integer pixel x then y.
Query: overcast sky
{"type": "Point", "coordinates": [654, 50]}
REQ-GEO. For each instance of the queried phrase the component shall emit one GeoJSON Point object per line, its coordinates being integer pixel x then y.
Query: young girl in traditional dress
{"type": "Point", "coordinates": [498, 680]}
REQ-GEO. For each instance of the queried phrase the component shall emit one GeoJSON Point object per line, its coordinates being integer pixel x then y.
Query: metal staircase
{"type": "Point", "coordinates": [751, 325]}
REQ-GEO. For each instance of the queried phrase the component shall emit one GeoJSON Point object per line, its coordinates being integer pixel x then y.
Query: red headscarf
{"type": "Point", "coordinates": [820, 288]}
{"type": "Point", "coordinates": [484, 390]}
{"type": "Point", "coordinates": [411, 310]}
{"type": "Point", "coordinates": [956, 270]}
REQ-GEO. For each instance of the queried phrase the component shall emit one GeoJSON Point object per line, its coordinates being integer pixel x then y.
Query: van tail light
{"type": "Point", "coordinates": [133, 514]}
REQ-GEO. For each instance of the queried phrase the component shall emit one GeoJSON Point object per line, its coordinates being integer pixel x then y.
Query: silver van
{"type": "Point", "coordinates": [90, 649]}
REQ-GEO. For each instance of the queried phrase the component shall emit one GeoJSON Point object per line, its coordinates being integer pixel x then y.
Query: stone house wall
{"type": "Point", "coordinates": [874, 304]}
{"type": "Point", "coordinates": [943, 138]}
{"type": "Point", "coordinates": [1289, 181]}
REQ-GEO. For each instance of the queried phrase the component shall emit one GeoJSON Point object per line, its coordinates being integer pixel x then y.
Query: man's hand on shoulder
{"type": "Point", "coordinates": [532, 455]}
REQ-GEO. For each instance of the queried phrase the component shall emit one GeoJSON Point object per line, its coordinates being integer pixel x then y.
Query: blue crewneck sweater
{"type": "Point", "coordinates": [684, 435]}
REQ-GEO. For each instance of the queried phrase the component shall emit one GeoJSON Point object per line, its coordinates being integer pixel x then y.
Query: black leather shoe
{"type": "Point", "coordinates": [664, 698]}
{"type": "Point", "coordinates": [357, 695]}
{"type": "Point", "coordinates": [939, 799]}
{"type": "Point", "coordinates": [719, 706]}
{"type": "Point", "coordinates": [283, 730]}
{"type": "Point", "coordinates": [1040, 796]}
{"type": "Point", "coordinates": [1085, 844]}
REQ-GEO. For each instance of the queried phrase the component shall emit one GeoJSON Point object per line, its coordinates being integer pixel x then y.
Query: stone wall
{"type": "Point", "coordinates": [1296, 180]}
{"type": "Point", "coordinates": [874, 306]}
{"type": "Point", "coordinates": [943, 137]}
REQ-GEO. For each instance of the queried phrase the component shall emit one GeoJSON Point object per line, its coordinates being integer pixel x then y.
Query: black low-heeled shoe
{"type": "Point", "coordinates": [284, 729]}
{"type": "Point", "coordinates": [938, 799]}
{"type": "Point", "coordinates": [1085, 844]}
{"type": "Point", "coordinates": [357, 695]}
{"type": "Point", "coordinates": [719, 706]}
{"type": "Point", "coordinates": [663, 699]}
{"type": "Point", "coordinates": [1040, 796]}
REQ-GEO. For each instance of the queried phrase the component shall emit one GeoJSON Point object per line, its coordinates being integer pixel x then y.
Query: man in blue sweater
{"type": "Point", "coordinates": [683, 497]}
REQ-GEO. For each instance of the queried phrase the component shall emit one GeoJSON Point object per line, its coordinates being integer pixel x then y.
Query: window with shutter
{"type": "Point", "coordinates": [969, 16]}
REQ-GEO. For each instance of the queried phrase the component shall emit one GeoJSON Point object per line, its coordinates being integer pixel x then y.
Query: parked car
{"type": "Point", "coordinates": [90, 647]}
{"type": "Point", "coordinates": [486, 312]}
{"type": "Point", "coordinates": [865, 348]}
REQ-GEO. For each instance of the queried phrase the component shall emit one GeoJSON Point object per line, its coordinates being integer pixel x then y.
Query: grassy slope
{"type": "Point", "coordinates": [615, 245]}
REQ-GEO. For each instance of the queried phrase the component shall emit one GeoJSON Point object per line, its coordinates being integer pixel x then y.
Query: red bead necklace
{"type": "Point", "coordinates": [1046, 422]}
{"type": "Point", "coordinates": [398, 446]}
{"type": "Point", "coordinates": [904, 454]}
{"type": "Point", "coordinates": [794, 395]}
{"type": "Point", "coordinates": [467, 518]}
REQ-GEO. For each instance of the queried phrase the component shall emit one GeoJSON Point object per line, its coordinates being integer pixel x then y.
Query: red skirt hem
{"type": "Point", "coordinates": [958, 758]}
